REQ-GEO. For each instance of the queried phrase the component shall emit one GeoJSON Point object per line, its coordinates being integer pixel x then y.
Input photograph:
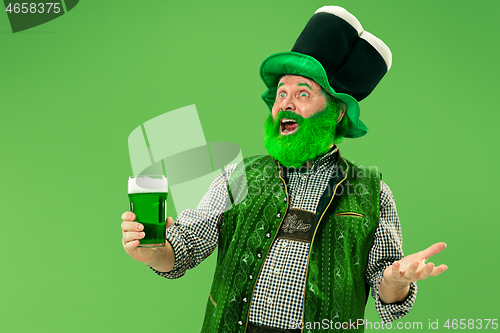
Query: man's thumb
{"type": "Point", "coordinates": [170, 221]}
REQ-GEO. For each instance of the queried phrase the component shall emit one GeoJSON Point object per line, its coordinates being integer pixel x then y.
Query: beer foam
{"type": "Point", "coordinates": [147, 184]}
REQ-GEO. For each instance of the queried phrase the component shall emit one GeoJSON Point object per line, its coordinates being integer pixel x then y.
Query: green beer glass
{"type": "Point", "coordinates": [148, 201]}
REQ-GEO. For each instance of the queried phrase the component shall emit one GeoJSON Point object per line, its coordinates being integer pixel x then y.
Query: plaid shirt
{"type": "Point", "coordinates": [278, 299]}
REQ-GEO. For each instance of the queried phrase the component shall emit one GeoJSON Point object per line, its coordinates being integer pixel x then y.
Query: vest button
{"type": "Point", "coordinates": [240, 323]}
{"type": "Point", "coordinates": [278, 215]}
{"type": "Point", "coordinates": [245, 300]}
{"type": "Point", "coordinates": [268, 235]}
{"type": "Point", "coordinates": [250, 277]}
{"type": "Point", "coordinates": [259, 255]}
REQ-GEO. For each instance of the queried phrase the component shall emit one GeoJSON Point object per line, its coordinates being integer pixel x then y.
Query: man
{"type": "Point", "coordinates": [311, 230]}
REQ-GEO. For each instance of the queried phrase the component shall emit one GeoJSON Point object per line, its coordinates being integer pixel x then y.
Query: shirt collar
{"type": "Point", "coordinates": [326, 160]}
{"type": "Point", "coordinates": [322, 162]}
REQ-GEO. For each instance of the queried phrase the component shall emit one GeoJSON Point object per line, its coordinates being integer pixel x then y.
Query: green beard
{"type": "Point", "coordinates": [314, 136]}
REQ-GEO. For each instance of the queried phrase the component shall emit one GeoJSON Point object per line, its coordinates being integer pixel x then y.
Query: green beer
{"type": "Point", "coordinates": [148, 201]}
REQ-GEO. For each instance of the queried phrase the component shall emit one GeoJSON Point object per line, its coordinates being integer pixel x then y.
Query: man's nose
{"type": "Point", "coordinates": [287, 104]}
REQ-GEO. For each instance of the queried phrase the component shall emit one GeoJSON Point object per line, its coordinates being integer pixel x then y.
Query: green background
{"type": "Point", "coordinates": [73, 89]}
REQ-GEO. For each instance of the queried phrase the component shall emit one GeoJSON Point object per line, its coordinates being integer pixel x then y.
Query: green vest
{"type": "Point", "coordinates": [346, 220]}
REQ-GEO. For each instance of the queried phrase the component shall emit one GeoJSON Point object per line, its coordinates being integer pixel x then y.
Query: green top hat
{"type": "Point", "coordinates": [334, 51]}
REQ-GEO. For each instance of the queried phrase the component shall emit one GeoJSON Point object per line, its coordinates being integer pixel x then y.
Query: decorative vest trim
{"type": "Point", "coordinates": [346, 219]}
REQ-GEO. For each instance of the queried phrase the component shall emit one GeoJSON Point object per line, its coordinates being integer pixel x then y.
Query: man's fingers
{"type": "Point", "coordinates": [425, 272]}
{"type": "Point", "coordinates": [433, 250]}
{"type": "Point", "coordinates": [131, 236]}
{"type": "Point", "coordinates": [131, 245]}
{"type": "Point", "coordinates": [410, 271]}
{"type": "Point", "coordinates": [438, 270]}
{"type": "Point", "coordinates": [430, 270]}
{"type": "Point", "coordinates": [131, 226]}
{"type": "Point", "coordinates": [128, 216]}
{"type": "Point", "coordinates": [395, 273]}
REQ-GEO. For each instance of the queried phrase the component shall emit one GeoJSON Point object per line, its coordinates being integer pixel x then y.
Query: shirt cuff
{"type": "Point", "coordinates": [173, 236]}
{"type": "Point", "coordinates": [397, 310]}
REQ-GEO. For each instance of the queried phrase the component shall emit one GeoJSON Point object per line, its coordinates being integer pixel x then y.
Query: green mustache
{"type": "Point", "coordinates": [289, 115]}
{"type": "Point", "coordinates": [314, 137]}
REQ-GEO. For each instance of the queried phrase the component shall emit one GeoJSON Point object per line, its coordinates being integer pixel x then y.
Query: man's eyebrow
{"type": "Point", "coordinates": [306, 85]}
{"type": "Point", "coordinates": [281, 84]}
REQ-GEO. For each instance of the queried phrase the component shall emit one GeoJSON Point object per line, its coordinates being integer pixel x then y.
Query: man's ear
{"type": "Point", "coordinates": [341, 113]}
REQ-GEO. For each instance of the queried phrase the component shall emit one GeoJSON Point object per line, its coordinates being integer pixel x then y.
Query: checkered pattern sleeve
{"type": "Point", "coordinates": [387, 248]}
{"type": "Point", "coordinates": [194, 234]}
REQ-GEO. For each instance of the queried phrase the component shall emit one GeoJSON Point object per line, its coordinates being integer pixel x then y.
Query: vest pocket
{"type": "Point", "coordinates": [213, 302]}
{"type": "Point", "coordinates": [349, 214]}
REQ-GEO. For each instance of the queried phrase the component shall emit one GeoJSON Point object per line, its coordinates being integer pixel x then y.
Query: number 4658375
{"type": "Point", "coordinates": [470, 324]}
{"type": "Point", "coordinates": [32, 7]}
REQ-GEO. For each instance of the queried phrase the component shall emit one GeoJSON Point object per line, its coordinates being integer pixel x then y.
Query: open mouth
{"type": "Point", "coordinates": [288, 126]}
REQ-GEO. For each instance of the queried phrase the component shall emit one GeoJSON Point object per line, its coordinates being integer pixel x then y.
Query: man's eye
{"type": "Point", "coordinates": [304, 94]}
{"type": "Point", "coordinates": [282, 95]}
